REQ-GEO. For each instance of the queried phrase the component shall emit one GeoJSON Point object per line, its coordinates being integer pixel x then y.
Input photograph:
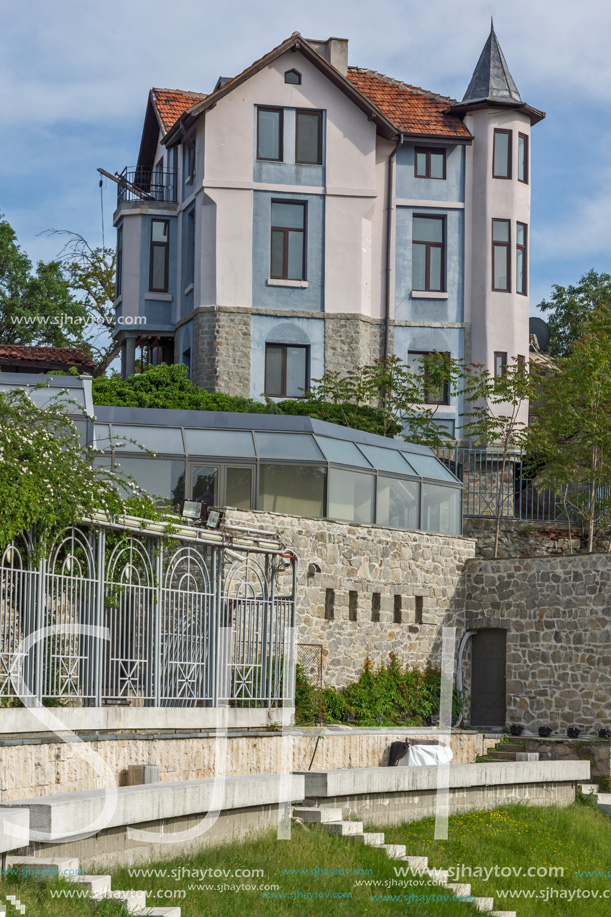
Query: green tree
{"type": "Point", "coordinates": [497, 416]}
{"type": "Point", "coordinates": [36, 305]}
{"type": "Point", "coordinates": [572, 429]}
{"type": "Point", "coordinates": [90, 273]}
{"type": "Point", "coordinates": [570, 307]}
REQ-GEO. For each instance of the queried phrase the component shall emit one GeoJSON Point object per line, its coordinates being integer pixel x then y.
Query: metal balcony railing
{"type": "Point", "coordinates": [146, 185]}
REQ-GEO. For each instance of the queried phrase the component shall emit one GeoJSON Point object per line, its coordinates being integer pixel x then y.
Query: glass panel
{"type": "Point", "coordinates": [295, 271]}
{"type": "Point", "coordinates": [308, 128]}
{"type": "Point", "coordinates": [501, 155]}
{"type": "Point", "coordinates": [101, 436]}
{"type": "Point", "coordinates": [342, 452]}
{"type": "Point", "coordinates": [421, 164]}
{"type": "Point", "coordinates": [351, 496]}
{"type": "Point", "coordinates": [520, 234]}
{"type": "Point", "coordinates": [501, 281]}
{"type": "Point", "coordinates": [220, 442]}
{"type": "Point", "coordinates": [287, 446]}
{"type": "Point", "coordinates": [295, 489]}
{"type": "Point", "coordinates": [158, 273]}
{"type": "Point", "coordinates": [161, 478]}
{"type": "Point", "coordinates": [500, 230]}
{"type": "Point", "coordinates": [441, 509]}
{"type": "Point", "coordinates": [291, 216]}
{"type": "Point", "coordinates": [429, 467]}
{"type": "Point", "coordinates": [522, 158]}
{"type": "Point", "coordinates": [387, 459]}
{"type": "Point", "coordinates": [82, 430]}
{"type": "Point", "coordinates": [418, 266]}
{"type": "Point", "coordinates": [158, 439]}
{"type": "Point", "coordinates": [520, 270]}
{"type": "Point", "coordinates": [296, 366]}
{"type": "Point", "coordinates": [269, 135]}
{"type": "Point", "coordinates": [277, 254]}
{"type": "Point", "coordinates": [398, 503]}
{"type": "Point", "coordinates": [204, 481]}
{"type": "Point", "coordinates": [160, 229]}
{"type": "Point", "coordinates": [273, 370]}
{"type": "Point", "coordinates": [291, 76]}
{"type": "Point", "coordinates": [437, 165]}
{"type": "Point", "coordinates": [239, 488]}
{"type": "Point", "coordinates": [428, 229]}
{"type": "Point", "coordinates": [435, 267]}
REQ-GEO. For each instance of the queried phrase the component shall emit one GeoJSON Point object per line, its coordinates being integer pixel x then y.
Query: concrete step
{"type": "Point", "coordinates": [588, 788]}
{"type": "Point", "coordinates": [460, 889]}
{"type": "Point", "coordinates": [440, 876]}
{"type": "Point", "coordinates": [502, 755]}
{"type": "Point", "coordinates": [418, 864]}
{"type": "Point", "coordinates": [502, 914]}
{"type": "Point", "coordinates": [343, 828]}
{"type": "Point", "coordinates": [48, 866]}
{"type": "Point", "coordinates": [604, 802]}
{"type": "Point", "coordinates": [370, 839]}
{"type": "Point", "coordinates": [483, 904]}
{"type": "Point", "coordinates": [317, 816]}
{"type": "Point", "coordinates": [134, 901]}
{"type": "Point", "coordinates": [161, 912]}
{"type": "Point", "coordinates": [95, 885]}
{"type": "Point", "coordinates": [394, 851]}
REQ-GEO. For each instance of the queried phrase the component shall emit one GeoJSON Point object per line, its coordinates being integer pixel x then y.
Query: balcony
{"type": "Point", "coordinates": [146, 185]}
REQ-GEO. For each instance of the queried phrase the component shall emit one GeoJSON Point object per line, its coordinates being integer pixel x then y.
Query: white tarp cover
{"type": "Point", "coordinates": [426, 755]}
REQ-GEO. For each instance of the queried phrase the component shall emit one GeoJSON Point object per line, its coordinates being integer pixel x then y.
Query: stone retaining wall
{"type": "Point", "coordinates": [557, 614]}
{"type": "Point", "coordinates": [521, 538]}
{"type": "Point", "coordinates": [421, 573]}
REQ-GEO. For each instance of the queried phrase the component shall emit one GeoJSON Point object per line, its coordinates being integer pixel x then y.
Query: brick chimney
{"type": "Point", "coordinates": [335, 50]}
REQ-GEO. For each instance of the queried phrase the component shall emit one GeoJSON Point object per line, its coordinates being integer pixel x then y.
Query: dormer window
{"type": "Point", "coordinates": [293, 76]}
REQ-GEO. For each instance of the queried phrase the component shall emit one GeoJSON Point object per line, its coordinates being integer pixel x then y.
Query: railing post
{"type": "Point", "coordinates": [98, 650]}
{"type": "Point", "coordinates": [40, 648]}
{"type": "Point", "coordinates": [158, 610]}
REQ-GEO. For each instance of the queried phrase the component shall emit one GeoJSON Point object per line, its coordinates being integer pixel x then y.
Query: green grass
{"type": "Point", "coordinates": [577, 838]}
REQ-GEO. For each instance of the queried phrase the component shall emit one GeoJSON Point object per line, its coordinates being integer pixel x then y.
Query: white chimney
{"type": "Point", "coordinates": [335, 50]}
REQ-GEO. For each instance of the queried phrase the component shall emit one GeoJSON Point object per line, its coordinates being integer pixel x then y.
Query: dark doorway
{"type": "Point", "coordinates": [488, 678]}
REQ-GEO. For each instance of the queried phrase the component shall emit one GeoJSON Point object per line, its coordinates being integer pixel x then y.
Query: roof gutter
{"type": "Point", "coordinates": [391, 209]}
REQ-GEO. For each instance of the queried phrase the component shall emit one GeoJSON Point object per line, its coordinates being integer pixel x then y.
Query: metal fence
{"type": "Point", "coordinates": [146, 185]}
{"type": "Point", "coordinates": [484, 480]}
{"type": "Point", "coordinates": [110, 616]}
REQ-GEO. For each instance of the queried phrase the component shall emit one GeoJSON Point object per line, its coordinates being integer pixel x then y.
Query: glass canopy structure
{"type": "Point", "coordinates": [270, 462]}
{"type": "Point", "coordinates": [294, 465]}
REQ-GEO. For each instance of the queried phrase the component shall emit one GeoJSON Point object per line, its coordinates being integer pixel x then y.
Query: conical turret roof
{"type": "Point", "coordinates": [491, 80]}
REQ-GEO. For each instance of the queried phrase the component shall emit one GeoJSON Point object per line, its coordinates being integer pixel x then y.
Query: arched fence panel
{"type": "Point", "coordinates": [115, 617]}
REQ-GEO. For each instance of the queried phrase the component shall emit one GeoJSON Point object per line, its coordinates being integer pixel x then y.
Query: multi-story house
{"type": "Point", "coordinates": [307, 216]}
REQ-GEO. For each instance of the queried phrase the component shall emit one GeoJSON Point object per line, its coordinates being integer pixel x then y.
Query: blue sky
{"type": "Point", "coordinates": [74, 78]}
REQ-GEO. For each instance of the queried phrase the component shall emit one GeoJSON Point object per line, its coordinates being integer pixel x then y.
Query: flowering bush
{"type": "Point", "coordinates": [47, 479]}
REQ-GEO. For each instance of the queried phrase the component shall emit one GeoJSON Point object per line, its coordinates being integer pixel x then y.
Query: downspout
{"type": "Point", "coordinates": [390, 243]}
{"type": "Point", "coordinates": [459, 678]}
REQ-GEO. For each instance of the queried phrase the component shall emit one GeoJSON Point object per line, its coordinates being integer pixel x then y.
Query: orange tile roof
{"type": "Point", "coordinates": [172, 103]}
{"type": "Point", "coordinates": [64, 356]}
{"type": "Point", "coordinates": [411, 109]}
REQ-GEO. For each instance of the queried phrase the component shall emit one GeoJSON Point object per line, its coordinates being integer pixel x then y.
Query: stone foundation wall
{"type": "Point", "coordinates": [352, 340]}
{"type": "Point", "coordinates": [421, 573]}
{"type": "Point", "coordinates": [557, 614]}
{"type": "Point", "coordinates": [521, 538]}
{"type": "Point", "coordinates": [221, 349]}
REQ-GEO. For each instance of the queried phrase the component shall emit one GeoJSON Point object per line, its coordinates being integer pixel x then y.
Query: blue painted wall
{"type": "Point", "coordinates": [160, 315]}
{"type": "Point", "coordinates": [430, 189]}
{"type": "Point", "coordinates": [277, 297]}
{"type": "Point", "coordinates": [270, 328]}
{"type": "Point", "coordinates": [429, 310]}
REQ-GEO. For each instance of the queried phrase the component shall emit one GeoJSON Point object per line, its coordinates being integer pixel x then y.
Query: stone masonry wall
{"type": "Point", "coordinates": [557, 613]}
{"type": "Point", "coordinates": [421, 573]}
{"type": "Point", "coordinates": [521, 538]}
{"type": "Point", "coordinates": [352, 340]}
{"type": "Point", "coordinates": [221, 349]}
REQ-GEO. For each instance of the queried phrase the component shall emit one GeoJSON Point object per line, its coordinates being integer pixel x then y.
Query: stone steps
{"type": "Point", "coordinates": [483, 904]}
{"type": "Point", "coordinates": [502, 914]}
{"type": "Point", "coordinates": [394, 851]}
{"type": "Point", "coordinates": [460, 889]}
{"type": "Point", "coordinates": [98, 886]}
{"type": "Point", "coordinates": [315, 816]}
{"type": "Point", "coordinates": [417, 863]}
{"type": "Point", "coordinates": [588, 788]}
{"type": "Point", "coordinates": [343, 828]}
{"type": "Point", "coordinates": [370, 839]}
